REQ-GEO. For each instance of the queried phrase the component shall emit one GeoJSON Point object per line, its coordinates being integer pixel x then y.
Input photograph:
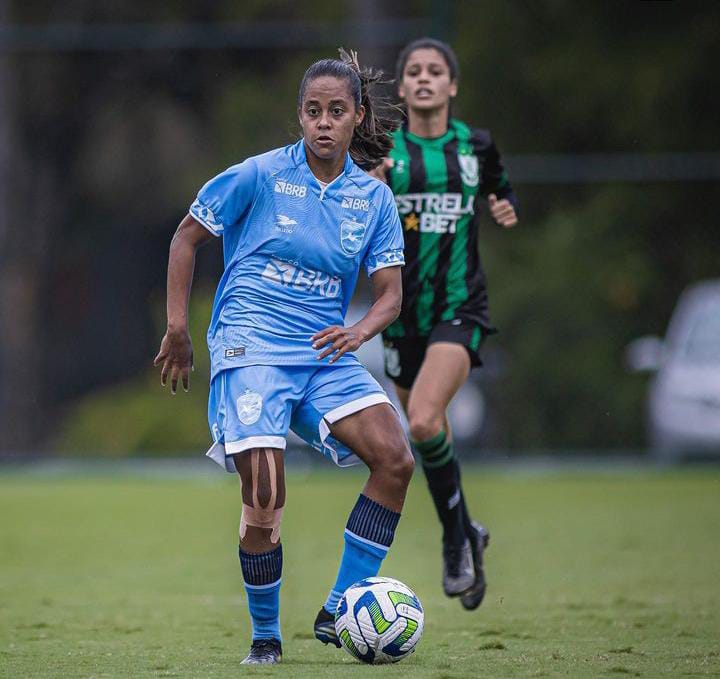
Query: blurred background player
{"type": "Point", "coordinates": [297, 225]}
{"type": "Point", "coordinates": [439, 169]}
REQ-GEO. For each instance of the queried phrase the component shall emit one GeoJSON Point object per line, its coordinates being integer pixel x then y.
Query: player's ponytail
{"type": "Point", "coordinates": [371, 141]}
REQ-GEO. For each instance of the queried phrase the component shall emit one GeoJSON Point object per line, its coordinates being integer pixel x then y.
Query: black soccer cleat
{"type": "Point", "coordinates": [458, 571]}
{"type": "Point", "coordinates": [325, 628]}
{"type": "Point", "coordinates": [480, 538]}
{"type": "Point", "coordinates": [264, 652]}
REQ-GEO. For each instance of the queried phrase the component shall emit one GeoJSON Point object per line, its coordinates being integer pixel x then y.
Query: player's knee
{"type": "Point", "coordinates": [399, 461]}
{"type": "Point", "coordinates": [424, 425]}
{"type": "Point", "coordinates": [263, 505]}
{"type": "Point", "coordinates": [264, 518]}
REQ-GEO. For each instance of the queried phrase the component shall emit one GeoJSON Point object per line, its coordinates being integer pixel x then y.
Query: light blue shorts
{"type": "Point", "coordinates": [254, 406]}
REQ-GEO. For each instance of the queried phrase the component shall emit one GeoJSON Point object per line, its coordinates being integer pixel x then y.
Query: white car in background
{"type": "Point", "coordinates": [683, 404]}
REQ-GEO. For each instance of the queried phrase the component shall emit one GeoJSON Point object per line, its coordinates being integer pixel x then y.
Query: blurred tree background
{"type": "Point", "coordinates": [112, 116]}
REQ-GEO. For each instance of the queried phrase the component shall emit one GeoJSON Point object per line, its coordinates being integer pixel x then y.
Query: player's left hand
{"type": "Point", "coordinates": [337, 340]}
{"type": "Point", "coordinates": [502, 212]}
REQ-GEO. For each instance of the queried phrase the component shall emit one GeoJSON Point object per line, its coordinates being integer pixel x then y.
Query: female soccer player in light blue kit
{"type": "Point", "coordinates": [297, 225]}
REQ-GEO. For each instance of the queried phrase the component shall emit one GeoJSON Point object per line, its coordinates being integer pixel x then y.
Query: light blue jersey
{"type": "Point", "coordinates": [292, 251]}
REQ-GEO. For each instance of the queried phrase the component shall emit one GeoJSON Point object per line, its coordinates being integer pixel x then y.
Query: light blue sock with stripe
{"type": "Point", "coordinates": [368, 535]}
{"type": "Point", "coordinates": [262, 575]}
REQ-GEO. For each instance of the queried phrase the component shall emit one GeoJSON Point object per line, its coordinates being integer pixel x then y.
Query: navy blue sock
{"type": "Point", "coordinates": [368, 535]}
{"type": "Point", "coordinates": [262, 575]}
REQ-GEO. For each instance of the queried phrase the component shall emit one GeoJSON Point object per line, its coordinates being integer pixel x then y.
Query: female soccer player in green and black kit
{"type": "Point", "coordinates": [439, 170]}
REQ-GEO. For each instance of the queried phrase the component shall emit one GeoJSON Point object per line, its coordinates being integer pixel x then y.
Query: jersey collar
{"type": "Point", "coordinates": [302, 157]}
{"type": "Point", "coordinates": [430, 141]}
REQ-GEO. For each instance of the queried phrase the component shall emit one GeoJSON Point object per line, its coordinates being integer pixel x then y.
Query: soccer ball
{"type": "Point", "coordinates": [379, 620]}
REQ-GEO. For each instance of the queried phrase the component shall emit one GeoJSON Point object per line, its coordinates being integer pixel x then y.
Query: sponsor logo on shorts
{"type": "Point", "coordinates": [237, 352]}
{"type": "Point", "coordinates": [249, 407]}
{"type": "Point", "coordinates": [295, 190]}
{"type": "Point", "coordinates": [352, 234]}
{"type": "Point", "coordinates": [293, 276]}
{"type": "Point", "coordinates": [352, 203]}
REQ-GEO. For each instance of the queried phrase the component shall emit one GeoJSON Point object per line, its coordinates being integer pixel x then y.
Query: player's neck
{"type": "Point", "coordinates": [429, 124]}
{"type": "Point", "coordinates": [325, 169]}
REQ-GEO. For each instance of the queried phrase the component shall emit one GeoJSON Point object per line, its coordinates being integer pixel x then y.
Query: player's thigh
{"type": "Point", "coordinates": [443, 372]}
{"type": "Point", "coordinates": [376, 435]}
{"type": "Point", "coordinates": [262, 477]}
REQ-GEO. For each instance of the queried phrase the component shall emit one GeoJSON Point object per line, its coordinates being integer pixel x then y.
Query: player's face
{"type": "Point", "coordinates": [426, 84]}
{"type": "Point", "coordinates": [328, 117]}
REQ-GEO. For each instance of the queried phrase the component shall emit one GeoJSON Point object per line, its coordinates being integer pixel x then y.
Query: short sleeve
{"type": "Point", "coordinates": [223, 201]}
{"type": "Point", "coordinates": [386, 247]}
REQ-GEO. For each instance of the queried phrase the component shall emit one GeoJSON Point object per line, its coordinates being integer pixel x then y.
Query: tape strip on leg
{"type": "Point", "coordinates": [261, 518]}
{"type": "Point", "coordinates": [268, 517]}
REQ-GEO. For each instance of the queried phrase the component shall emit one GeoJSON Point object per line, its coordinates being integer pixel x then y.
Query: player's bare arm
{"type": "Point", "coordinates": [387, 293]}
{"type": "Point", "coordinates": [176, 352]}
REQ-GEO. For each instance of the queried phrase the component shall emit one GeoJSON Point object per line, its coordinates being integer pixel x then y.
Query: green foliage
{"type": "Point", "coordinates": [588, 576]}
{"type": "Point", "coordinates": [139, 415]}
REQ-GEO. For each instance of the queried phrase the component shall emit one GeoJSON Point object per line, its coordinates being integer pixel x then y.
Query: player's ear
{"type": "Point", "coordinates": [453, 88]}
{"type": "Point", "coordinates": [359, 115]}
{"type": "Point", "coordinates": [401, 91]}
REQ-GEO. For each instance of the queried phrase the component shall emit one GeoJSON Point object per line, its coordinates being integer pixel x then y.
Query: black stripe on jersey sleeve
{"type": "Point", "coordinates": [493, 178]}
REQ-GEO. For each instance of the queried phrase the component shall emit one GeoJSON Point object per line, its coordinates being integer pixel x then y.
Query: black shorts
{"type": "Point", "coordinates": [404, 355]}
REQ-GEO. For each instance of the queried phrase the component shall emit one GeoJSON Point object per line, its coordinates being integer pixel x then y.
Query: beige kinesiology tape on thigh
{"type": "Point", "coordinates": [268, 517]}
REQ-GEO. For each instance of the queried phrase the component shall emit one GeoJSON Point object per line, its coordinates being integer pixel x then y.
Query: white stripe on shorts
{"type": "Point", "coordinates": [355, 406]}
{"type": "Point", "coordinates": [222, 452]}
{"type": "Point", "coordinates": [232, 447]}
{"type": "Point", "coordinates": [349, 408]}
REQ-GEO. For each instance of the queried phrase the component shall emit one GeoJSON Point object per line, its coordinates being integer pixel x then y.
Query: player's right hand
{"type": "Point", "coordinates": [380, 172]}
{"type": "Point", "coordinates": [176, 356]}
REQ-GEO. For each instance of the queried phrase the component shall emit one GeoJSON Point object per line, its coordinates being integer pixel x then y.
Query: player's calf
{"type": "Point", "coordinates": [263, 492]}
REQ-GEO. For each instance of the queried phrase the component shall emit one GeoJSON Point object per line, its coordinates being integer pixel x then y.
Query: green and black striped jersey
{"type": "Point", "coordinates": [437, 185]}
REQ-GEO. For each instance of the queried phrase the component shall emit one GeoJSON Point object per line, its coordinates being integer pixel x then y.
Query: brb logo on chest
{"type": "Point", "coordinates": [289, 189]}
{"type": "Point", "coordinates": [353, 203]}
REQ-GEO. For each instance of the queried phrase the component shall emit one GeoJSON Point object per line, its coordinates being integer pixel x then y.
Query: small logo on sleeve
{"type": "Point", "coordinates": [237, 352]}
{"type": "Point", "coordinates": [205, 215]}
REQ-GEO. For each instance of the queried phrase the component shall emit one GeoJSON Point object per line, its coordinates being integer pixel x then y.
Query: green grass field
{"type": "Point", "coordinates": [590, 575]}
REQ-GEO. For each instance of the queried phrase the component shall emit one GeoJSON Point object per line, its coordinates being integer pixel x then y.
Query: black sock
{"type": "Point", "coordinates": [466, 520]}
{"type": "Point", "coordinates": [442, 474]}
